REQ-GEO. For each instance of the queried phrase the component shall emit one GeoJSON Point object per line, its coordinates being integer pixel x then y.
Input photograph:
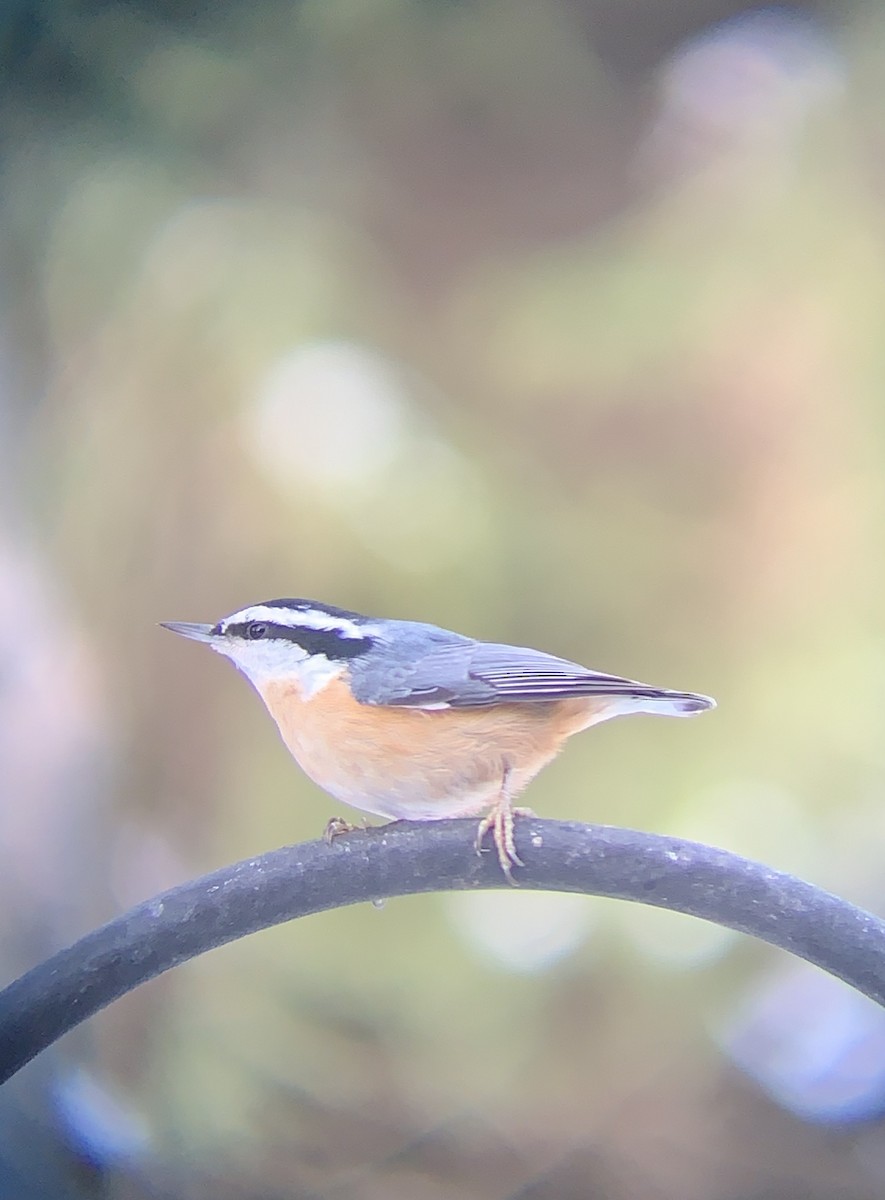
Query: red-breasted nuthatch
{"type": "Point", "coordinates": [412, 722]}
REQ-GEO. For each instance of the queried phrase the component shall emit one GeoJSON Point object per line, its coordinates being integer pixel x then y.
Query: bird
{"type": "Point", "coordinates": [409, 721]}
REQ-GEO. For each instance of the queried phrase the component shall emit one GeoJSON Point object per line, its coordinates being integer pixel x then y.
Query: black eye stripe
{"type": "Point", "coordinates": [333, 643]}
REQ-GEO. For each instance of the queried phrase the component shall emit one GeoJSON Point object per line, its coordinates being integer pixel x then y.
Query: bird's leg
{"type": "Point", "coordinates": [499, 819]}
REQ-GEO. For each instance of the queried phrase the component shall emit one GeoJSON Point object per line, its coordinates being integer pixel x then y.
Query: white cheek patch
{"type": "Point", "coordinates": [316, 672]}
{"type": "Point", "coordinates": [264, 662]}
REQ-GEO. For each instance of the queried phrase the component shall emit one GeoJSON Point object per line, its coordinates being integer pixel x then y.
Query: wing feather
{"type": "Point", "coordinates": [467, 674]}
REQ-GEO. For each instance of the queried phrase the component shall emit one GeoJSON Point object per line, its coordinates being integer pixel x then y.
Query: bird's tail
{"type": "Point", "coordinates": [639, 698]}
{"type": "Point", "coordinates": [663, 703]}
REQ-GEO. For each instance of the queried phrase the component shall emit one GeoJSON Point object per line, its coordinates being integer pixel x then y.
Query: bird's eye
{"type": "Point", "coordinates": [256, 630]}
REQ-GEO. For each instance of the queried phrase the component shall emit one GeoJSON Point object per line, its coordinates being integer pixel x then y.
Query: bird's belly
{"type": "Point", "coordinates": [416, 764]}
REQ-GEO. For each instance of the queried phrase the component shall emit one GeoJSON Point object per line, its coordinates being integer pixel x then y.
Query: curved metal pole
{"type": "Point", "coordinates": [410, 857]}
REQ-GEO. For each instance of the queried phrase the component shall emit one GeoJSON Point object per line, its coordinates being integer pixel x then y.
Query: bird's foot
{"type": "Point", "coordinates": [500, 821]}
{"type": "Point", "coordinates": [335, 826]}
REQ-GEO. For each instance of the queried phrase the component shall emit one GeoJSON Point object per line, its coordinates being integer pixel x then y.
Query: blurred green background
{"type": "Point", "coordinates": [554, 322]}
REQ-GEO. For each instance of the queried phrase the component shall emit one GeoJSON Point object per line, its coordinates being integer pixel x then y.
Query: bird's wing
{"type": "Point", "coordinates": [467, 674]}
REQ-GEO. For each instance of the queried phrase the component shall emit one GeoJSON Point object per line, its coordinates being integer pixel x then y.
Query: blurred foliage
{"type": "Point", "coordinates": [557, 323]}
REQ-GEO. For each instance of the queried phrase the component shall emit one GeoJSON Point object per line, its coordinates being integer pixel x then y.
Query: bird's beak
{"type": "Point", "coordinates": [197, 633]}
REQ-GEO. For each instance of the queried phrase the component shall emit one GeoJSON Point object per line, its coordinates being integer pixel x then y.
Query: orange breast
{"type": "Point", "coordinates": [403, 762]}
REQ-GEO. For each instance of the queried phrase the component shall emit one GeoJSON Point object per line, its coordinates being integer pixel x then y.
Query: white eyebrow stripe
{"type": "Point", "coordinates": [311, 618]}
